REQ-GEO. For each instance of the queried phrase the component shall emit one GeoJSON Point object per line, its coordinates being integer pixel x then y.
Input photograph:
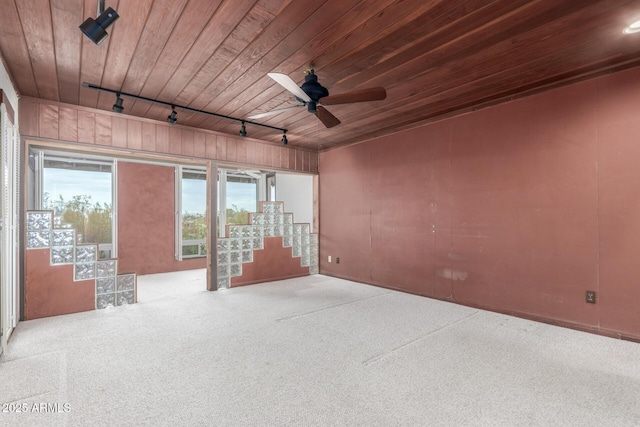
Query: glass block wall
{"type": "Point", "coordinates": [271, 221]}
{"type": "Point", "coordinates": [112, 289]}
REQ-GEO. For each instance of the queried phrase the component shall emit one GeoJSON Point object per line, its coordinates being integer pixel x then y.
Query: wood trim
{"type": "Point", "coordinates": [7, 104]}
{"type": "Point", "coordinates": [212, 206]}
{"type": "Point", "coordinates": [75, 127]}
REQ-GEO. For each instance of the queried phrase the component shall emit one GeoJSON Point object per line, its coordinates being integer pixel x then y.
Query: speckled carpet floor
{"type": "Point", "coordinates": [314, 351]}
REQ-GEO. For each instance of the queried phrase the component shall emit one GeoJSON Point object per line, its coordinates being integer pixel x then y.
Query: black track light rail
{"type": "Point", "coordinates": [174, 106]}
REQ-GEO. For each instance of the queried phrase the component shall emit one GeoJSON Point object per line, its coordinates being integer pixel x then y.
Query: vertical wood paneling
{"type": "Point", "coordinates": [275, 156]}
{"type": "Point", "coordinates": [71, 124]}
{"type": "Point", "coordinates": [68, 124]}
{"type": "Point", "coordinates": [49, 121]}
{"type": "Point", "coordinates": [292, 159]}
{"type": "Point", "coordinates": [313, 162]}
{"type": "Point", "coordinates": [199, 145]}
{"type": "Point", "coordinates": [221, 145]}
{"type": "Point", "coordinates": [211, 146]}
{"type": "Point", "coordinates": [148, 136]}
{"type": "Point", "coordinates": [134, 134]}
{"type": "Point", "coordinates": [187, 142]}
{"type": "Point", "coordinates": [162, 139]}
{"type": "Point", "coordinates": [232, 147]}
{"type": "Point", "coordinates": [29, 117]}
{"type": "Point", "coordinates": [306, 158]}
{"type": "Point", "coordinates": [103, 129]}
{"type": "Point", "coordinates": [299, 160]}
{"type": "Point", "coordinates": [284, 157]}
{"type": "Point", "coordinates": [249, 152]}
{"type": "Point", "coordinates": [175, 140]}
{"type": "Point", "coordinates": [119, 132]}
{"type": "Point", "coordinates": [241, 151]}
{"type": "Point", "coordinates": [258, 154]}
{"type": "Point", "coordinates": [86, 127]}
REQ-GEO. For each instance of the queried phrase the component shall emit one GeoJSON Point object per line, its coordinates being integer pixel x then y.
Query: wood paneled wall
{"type": "Point", "coordinates": [70, 123]}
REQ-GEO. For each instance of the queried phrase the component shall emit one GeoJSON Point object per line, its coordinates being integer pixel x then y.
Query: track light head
{"type": "Point", "coordinates": [117, 107]}
{"type": "Point", "coordinates": [243, 130]}
{"type": "Point", "coordinates": [284, 139]}
{"type": "Point", "coordinates": [95, 28]}
{"type": "Point", "coordinates": [173, 117]}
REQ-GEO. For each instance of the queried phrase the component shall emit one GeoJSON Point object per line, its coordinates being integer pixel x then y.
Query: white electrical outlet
{"type": "Point", "coordinates": [329, 258]}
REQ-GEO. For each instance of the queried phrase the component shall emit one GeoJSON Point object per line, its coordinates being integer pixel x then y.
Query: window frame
{"type": "Point", "coordinates": [179, 241]}
{"type": "Point", "coordinates": [41, 155]}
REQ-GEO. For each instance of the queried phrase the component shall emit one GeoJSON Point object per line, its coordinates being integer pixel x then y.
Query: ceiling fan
{"type": "Point", "coordinates": [312, 93]}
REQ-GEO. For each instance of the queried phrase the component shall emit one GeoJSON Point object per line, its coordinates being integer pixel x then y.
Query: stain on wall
{"type": "Point", "coordinates": [518, 208]}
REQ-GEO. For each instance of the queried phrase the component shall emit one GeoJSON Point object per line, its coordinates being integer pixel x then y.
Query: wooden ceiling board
{"type": "Point", "coordinates": [35, 16]}
{"type": "Point", "coordinates": [232, 98]}
{"type": "Point", "coordinates": [280, 26]}
{"type": "Point", "coordinates": [164, 14]}
{"type": "Point", "coordinates": [68, 47]}
{"type": "Point", "coordinates": [190, 25]}
{"type": "Point", "coordinates": [125, 36]}
{"type": "Point", "coordinates": [232, 54]}
{"type": "Point", "coordinates": [93, 57]}
{"type": "Point", "coordinates": [14, 50]}
{"type": "Point", "coordinates": [436, 58]}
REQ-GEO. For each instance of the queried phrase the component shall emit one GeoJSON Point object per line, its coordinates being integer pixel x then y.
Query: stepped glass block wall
{"type": "Point", "coordinates": [112, 289]}
{"type": "Point", "coordinates": [271, 221]}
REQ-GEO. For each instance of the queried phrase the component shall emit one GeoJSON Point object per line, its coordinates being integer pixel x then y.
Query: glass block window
{"type": "Point", "coordinates": [62, 255]}
{"type": "Point", "coordinates": [106, 268]}
{"type": "Point", "coordinates": [84, 271]}
{"type": "Point", "coordinates": [39, 220]}
{"type": "Point", "coordinates": [115, 290]}
{"type": "Point", "coordinates": [86, 253]}
{"type": "Point", "coordinates": [38, 239]}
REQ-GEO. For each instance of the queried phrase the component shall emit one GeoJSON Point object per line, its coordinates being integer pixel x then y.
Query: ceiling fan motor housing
{"type": "Point", "coordinates": [314, 89]}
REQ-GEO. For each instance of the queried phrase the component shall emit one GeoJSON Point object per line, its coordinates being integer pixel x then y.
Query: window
{"type": "Point", "coordinates": [238, 195]}
{"type": "Point", "coordinates": [80, 191]}
{"type": "Point", "coordinates": [191, 212]}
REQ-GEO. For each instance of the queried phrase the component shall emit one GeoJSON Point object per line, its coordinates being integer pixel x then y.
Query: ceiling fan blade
{"type": "Point", "coordinates": [327, 119]}
{"type": "Point", "coordinates": [287, 83]}
{"type": "Point", "coordinates": [273, 112]}
{"type": "Point", "coordinates": [361, 95]}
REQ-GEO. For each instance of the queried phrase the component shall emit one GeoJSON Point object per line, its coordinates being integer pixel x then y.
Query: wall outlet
{"type": "Point", "coordinates": [329, 259]}
{"type": "Point", "coordinates": [591, 297]}
{"type": "Point", "coordinates": [337, 260]}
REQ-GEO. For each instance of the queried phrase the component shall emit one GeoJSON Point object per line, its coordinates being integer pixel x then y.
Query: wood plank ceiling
{"type": "Point", "coordinates": [435, 58]}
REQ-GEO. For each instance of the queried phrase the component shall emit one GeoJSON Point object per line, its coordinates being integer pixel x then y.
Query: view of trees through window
{"type": "Point", "coordinates": [242, 198]}
{"type": "Point", "coordinates": [80, 197]}
{"type": "Point", "coordinates": [194, 214]}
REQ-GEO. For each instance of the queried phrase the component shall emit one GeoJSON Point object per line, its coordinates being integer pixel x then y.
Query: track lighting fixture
{"type": "Point", "coordinates": [95, 28]}
{"type": "Point", "coordinates": [117, 107]}
{"type": "Point", "coordinates": [284, 138]}
{"type": "Point", "coordinates": [173, 117]}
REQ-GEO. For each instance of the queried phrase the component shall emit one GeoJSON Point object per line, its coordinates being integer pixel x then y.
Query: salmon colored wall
{"type": "Point", "coordinates": [518, 208]}
{"type": "Point", "coordinates": [50, 289]}
{"type": "Point", "coordinates": [273, 262]}
{"type": "Point", "coordinates": [146, 228]}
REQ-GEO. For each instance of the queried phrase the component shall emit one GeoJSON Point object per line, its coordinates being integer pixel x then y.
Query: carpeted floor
{"type": "Point", "coordinates": [314, 351]}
